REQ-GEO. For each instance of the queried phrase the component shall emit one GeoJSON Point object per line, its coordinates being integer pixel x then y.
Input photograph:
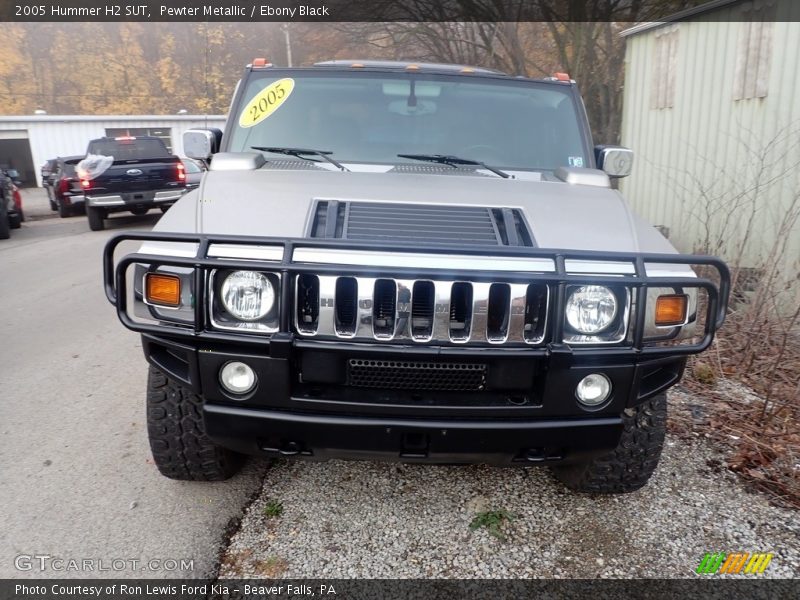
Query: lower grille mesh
{"type": "Point", "coordinates": [407, 375]}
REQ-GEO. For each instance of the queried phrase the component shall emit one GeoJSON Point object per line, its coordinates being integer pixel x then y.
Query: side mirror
{"type": "Point", "coordinates": [200, 144]}
{"type": "Point", "coordinates": [616, 161]}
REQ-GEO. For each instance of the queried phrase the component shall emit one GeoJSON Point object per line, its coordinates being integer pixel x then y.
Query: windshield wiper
{"type": "Point", "coordinates": [302, 153]}
{"type": "Point", "coordinates": [454, 161]}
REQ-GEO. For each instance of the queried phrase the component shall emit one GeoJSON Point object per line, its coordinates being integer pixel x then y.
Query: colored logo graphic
{"type": "Point", "coordinates": [734, 563]}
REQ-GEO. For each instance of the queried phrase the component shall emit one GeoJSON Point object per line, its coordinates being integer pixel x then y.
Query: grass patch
{"type": "Point", "coordinates": [271, 567]}
{"type": "Point", "coordinates": [492, 521]}
{"type": "Point", "coordinates": [273, 508]}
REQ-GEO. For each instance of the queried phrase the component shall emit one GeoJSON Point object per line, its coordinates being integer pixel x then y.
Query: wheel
{"type": "Point", "coordinates": [5, 232]}
{"type": "Point", "coordinates": [21, 216]}
{"type": "Point", "coordinates": [180, 447]}
{"type": "Point", "coordinates": [15, 221]}
{"type": "Point", "coordinates": [64, 210]}
{"type": "Point", "coordinates": [53, 204]}
{"type": "Point", "coordinates": [139, 211]}
{"type": "Point", "coordinates": [96, 217]}
{"type": "Point", "coordinates": [629, 466]}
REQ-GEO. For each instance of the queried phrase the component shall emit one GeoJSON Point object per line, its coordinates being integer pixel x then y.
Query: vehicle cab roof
{"type": "Point", "coordinates": [408, 67]}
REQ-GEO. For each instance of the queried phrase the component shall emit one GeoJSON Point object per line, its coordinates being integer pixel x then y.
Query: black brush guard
{"type": "Point", "coordinates": [717, 295]}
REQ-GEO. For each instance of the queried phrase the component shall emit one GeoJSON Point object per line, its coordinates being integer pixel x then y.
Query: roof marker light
{"type": "Point", "coordinates": [260, 62]}
{"type": "Point", "coordinates": [561, 76]}
{"type": "Point", "coordinates": [357, 66]}
{"type": "Point", "coordinates": [412, 67]}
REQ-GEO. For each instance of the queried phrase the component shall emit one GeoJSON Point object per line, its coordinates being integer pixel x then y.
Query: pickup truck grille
{"type": "Point", "coordinates": [420, 310]}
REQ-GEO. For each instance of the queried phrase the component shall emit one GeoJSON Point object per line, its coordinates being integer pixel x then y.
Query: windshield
{"type": "Point", "coordinates": [372, 117]}
{"type": "Point", "coordinates": [191, 166]}
{"type": "Point", "coordinates": [68, 169]}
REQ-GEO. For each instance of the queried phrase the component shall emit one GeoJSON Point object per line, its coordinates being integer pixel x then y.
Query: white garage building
{"type": "Point", "coordinates": [26, 142]}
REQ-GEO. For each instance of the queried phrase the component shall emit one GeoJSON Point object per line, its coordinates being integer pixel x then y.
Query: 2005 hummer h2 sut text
{"type": "Point", "coordinates": [423, 263]}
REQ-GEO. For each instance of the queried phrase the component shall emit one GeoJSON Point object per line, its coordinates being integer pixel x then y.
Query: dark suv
{"type": "Point", "coordinates": [11, 215]}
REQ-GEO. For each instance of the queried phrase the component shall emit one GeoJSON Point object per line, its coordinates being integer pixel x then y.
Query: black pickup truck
{"type": "Point", "coordinates": [143, 175]}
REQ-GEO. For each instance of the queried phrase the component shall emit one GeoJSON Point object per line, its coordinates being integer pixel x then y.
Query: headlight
{"type": "Point", "coordinates": [591, 308]}
{"type": "Point", "coordinates": [247, 295]}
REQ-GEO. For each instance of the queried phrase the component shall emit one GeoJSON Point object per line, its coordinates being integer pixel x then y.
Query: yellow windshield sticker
{"type": "Point", "coordinates": [266, 102]}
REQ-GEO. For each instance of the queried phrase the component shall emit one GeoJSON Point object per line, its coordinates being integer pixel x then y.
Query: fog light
{"type": "Point", "coordinates": [593, 389]}
{"type": "Point", "coordinates": [237, 377]}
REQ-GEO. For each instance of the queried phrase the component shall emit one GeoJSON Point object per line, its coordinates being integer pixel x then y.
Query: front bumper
{"type": "Point", "coordinates": [305, 406]}
{"type": "Point", "coordinates": [320, 437]}
{"type": "Point", "coordinates": [309, 404]}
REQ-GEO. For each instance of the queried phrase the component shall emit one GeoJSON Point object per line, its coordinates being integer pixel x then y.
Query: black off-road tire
{"type": "Point", "coordinates": [96, 216]}
{"type": "Point", "coordinates": [181, 449]}
{"type": "Point", "coordinates": [64, 211]}
{"type": "Point", "coordinates": [15, 221]}
{"type": "Point", "coordinates": [629, 466]}
{"type": "Point", "coordinates": [5, 230]}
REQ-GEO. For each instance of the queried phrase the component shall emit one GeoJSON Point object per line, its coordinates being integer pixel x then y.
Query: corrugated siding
{"type": "Point", "coordinates": [694, 159]}
{"type": "Point", "coordinates": [50, 138]}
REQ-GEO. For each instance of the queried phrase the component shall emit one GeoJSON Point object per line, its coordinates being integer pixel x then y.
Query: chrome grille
{"type": "Point", "coordinates": [421, 311]}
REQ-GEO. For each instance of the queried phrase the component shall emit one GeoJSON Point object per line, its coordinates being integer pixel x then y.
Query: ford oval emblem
{"type": "Point", "coordinates": [133, 172]}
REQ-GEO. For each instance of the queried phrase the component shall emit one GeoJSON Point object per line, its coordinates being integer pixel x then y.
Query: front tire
{"type": "Point", "coordinates": [64, 211]}
{"type": "Point", "coordinates": [181, 449]}
{"type": "Point", "coordinates": [5, 232]}
{"type": "Point", "coordinates": [96, 217]}
{"type": "Point", "coordinates": [631, 464]}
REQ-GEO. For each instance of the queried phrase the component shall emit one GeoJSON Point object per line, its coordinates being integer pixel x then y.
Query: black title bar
{"type": "Point", "coordinates": [378, 10]}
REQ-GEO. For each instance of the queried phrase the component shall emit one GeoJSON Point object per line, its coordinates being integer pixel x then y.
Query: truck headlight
{"type": "Point", "coordinates": [591, 308]}
{"type": "Point", "coordinates": [247, 295]}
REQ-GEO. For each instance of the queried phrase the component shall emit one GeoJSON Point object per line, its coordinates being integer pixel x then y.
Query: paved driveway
{"type": "Point", "coordinates": [76, 481]}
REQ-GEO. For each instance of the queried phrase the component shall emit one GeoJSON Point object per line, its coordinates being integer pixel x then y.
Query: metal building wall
{"type": "Point", "coordinates": [50, 135]}
{"type": "Point", "coordinates": [696, 163]}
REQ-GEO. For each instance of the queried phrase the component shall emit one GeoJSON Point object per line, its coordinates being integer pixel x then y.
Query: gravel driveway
{"type": "Point", "coordinates": [358, 519]}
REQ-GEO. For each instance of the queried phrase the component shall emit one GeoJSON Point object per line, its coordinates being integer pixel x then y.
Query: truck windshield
{"type": "Point", "coordinates": [368, 117]}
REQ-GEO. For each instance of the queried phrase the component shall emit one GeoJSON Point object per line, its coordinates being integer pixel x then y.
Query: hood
{"type": "Point", "coordinates": [279, 203]}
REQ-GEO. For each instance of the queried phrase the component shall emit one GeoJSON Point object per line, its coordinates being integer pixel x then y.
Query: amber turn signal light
{"type": "Point", "coordinates": [671, 310]}
{"type": "Point", "coordinates": [162, 289]}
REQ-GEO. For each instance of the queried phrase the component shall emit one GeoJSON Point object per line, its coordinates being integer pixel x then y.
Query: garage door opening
{"type": "Point", "coordinates": [15, 153]}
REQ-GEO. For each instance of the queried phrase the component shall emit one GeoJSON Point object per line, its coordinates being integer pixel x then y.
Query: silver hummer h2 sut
{"type": "Point", "coordinates": [422, 263]}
